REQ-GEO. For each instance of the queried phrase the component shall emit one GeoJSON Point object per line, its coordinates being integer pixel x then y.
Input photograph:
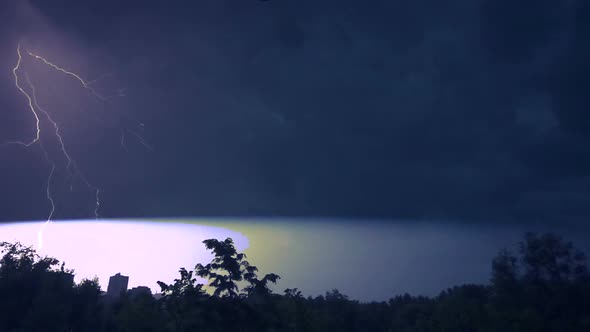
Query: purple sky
{"type": "Point", "coordinates": [147, 252]}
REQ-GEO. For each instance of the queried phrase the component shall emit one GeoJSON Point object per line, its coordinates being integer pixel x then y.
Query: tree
{"type": "Point", "coordinates": [260, 286]}
{"type": "Point", "coordinates": [186, 286]}
{"type": "Point", "coordinates": [542, 288]}
{"type": "Point", "coordinates": [36, 292]}
{"type": "Point", "coordinates": [505, 273]}
{"type": "Point", "coordinates": [86, 309]}
{"type": "Point", "coordinates": [180, 300]}
{"type": "Point", "coordinates": [229, 267]}
{"type": "Point", "coordinates": [462, 308]}
{"type": "Point", "coordinates": [293, 293]}
{"type": "Point", "coordinates": [226, 268]}
{"type": "Point", "coordinates": [140, 313]}
{"type": "Point", "coordinates": [19, 258]}
{"type": "Point", "coordinates": [543, 259]}
{"type": "Point", "coordinates": [548, 258]}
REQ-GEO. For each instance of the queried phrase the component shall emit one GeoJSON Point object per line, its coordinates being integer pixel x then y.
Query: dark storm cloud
{"type": "Point", "coordinates": [467, 110]}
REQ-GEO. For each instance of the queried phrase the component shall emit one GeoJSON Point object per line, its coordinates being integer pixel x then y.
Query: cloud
{"type": "Point", "coordinates": [398, 110]}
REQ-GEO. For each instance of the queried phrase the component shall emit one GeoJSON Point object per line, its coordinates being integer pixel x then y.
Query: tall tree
{"type": "Point", "coordinates": [228, 268]}
{"type": "Point", "coordinates": [36, 292]}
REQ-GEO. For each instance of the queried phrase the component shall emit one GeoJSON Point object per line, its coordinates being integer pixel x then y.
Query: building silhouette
{"type": "Point", "coordinates": [117, 285]}
{"type": "Point", "coordinates": [140, 290]}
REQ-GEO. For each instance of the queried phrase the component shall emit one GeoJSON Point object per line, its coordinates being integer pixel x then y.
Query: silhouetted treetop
{"type": "Point", "coordinates": [543, 286]}
{"type": "Point", "coordinates": [229, 267]}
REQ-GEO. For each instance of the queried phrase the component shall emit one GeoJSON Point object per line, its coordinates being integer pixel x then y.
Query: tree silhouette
{"type": "Point", "coordinates": [86, 308]}
{"type": "Point", "coordinates": [34, 291]}
{"type": "Point", "coordinates": [259, 286]}
{"type": "Point", "coordinates": [229, 267]}
{"type": "Point", "coordinates": [186, 286]}
{"type": "Point", "coordinates": [543, 286]}
{"type": "Point", "coordinates": [180, 299]}
{"type": "Point", "coordinates": [225, 270]}
{"type": "Point", "coordinates": [548, 258]}
{"type": "Point", "coordinates": [293, 293]}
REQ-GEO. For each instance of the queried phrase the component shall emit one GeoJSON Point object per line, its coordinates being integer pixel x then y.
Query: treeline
{"type": "Point", "coordinates": [543, 286]}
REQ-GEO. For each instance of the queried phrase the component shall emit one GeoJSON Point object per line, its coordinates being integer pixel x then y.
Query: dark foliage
{"type": "Point", "coordinates": [543, 286]}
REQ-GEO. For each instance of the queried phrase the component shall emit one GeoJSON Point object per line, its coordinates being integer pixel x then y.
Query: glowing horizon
{"type": "Point", "coordinates": [147, 252]}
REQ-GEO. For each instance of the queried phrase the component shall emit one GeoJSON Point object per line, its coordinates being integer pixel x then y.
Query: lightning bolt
{"type": "Point", "coordinates": [53, 123]}
{"type": "Point", "coordinates": [71, 166]}
{"type": "Point", "coordinates": [29, 101]}
{"type": "Point", "coordinates": [48, 193]}
{"type": "Point", "coordinates": [71, 162]}
{"type": "Point", "coordinates": [34, 106]}
{"type": "Point", "coordinates": [49, 198]}
{"type": "Point", "coordinates": [88, 86]}
{"type": "Point", "coordinates": [141, 140]}
{"type": "Point", "coordinates": [85, 84]}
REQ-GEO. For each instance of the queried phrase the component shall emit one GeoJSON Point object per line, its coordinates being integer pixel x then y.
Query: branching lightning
{"type": "Point", "coordinates": [71, 166]}
{"type": "Point", "coordinates": [85, 84]}
{"type": "Point", "coordinates": [141, 140]}
{"type": "Point", "coordinates": [29, 100]}
{"type": "Point", "coordinates": [33, 104]}
{"type": "Point", "coordinates": [88, 86]}
{"type": "Point", "coordinates": [53, 123]}
{"type": "Point", "coordinates": [49, 198]}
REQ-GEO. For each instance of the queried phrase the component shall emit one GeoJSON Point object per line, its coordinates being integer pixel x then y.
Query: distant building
{"type": "Point", "coordinates": [117, 285]}
{"type": "Point", "coordinates": [140, 290]}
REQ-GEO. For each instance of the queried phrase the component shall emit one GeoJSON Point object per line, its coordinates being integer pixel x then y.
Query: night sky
{"type": "Point", "coordinates": [460, 110]}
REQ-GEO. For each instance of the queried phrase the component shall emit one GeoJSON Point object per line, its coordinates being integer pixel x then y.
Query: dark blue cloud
{"type": "Point", "coordinates": [468, 111]}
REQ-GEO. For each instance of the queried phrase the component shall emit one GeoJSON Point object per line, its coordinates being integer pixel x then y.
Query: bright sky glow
{"type": "Point", "coordinates": [365, 260]}
{"type": "Point", "coordinates": [144, 251]}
